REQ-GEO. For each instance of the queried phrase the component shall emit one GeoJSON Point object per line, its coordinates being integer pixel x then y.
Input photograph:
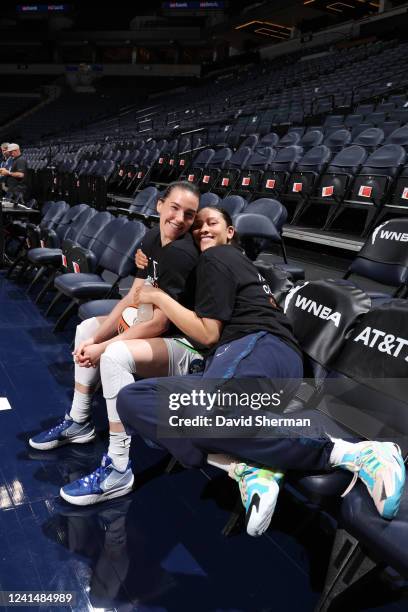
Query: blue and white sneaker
{"type": "Point", "coordinates": [259, 490]}
{"type": "Point", "coordinates": [106, 482]}
{"type": "Point", "coordinates": [66, 431]}
{"type": "Point", "coordinates": [381, 467]}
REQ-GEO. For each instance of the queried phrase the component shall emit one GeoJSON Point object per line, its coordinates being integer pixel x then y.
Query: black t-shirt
{"type": "Point", "coordinates": [19, 164]}
{"type": "Point", "coordinates": [171, 267]}
{"type": "Point", "coordinates": [230, 289]}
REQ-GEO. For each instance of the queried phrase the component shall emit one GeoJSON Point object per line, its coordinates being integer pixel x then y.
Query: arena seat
{"type": "Point", "coordinates": [112, 251]}
{"type": "Point", "coordinates": [198, 165]}
{"type": "Point", "coordinates": [213, 168]}
{"type": "Point", "coordinates": [290, 139]}
{"type": "Point", "coordinates": [257, 230]}
{"type": "Point", "coordinates": [209, 199]}
{"type": "Point", "coordinates": [333, 185]}
{"type": "Point", "coordinates": [57, 261]}
{"type": "Point", "coordinates": [249, 178]}
{"type": "Point", "coordinates": [397, 202]}
{"type": "Point", "coordinates": [370, 138]}
{"type": "Point", "coordinates": [364, 540]}
{"type": "Point", "coordinates": [64, 216]}
{"type": "Point", "coordinates": [372, 185]}
{"type": "Point", "coordinates": [233, 204]}
{"type": "Point", "coordinates": [384, 257]}
{"type": "Point", "coordinates": [227, 178]}
{"type": "Point", "coordinates": [337, 140]}
{"type": "Point", "coordinates": [311, 139]}
{"type": "Point", "coordinates": [49, 254]}
{"type": "Point", "coordinates": [147, 198]}
{"type": "Point", "coordinates": [399, 136]}
{"type": "Point", "coordinates": [269, 140]}
{"type": "Point", "coordinates": [322, 338]}
{"type": "Point", "coordinates": [275, 178]}
{"type": "Point", "coordinates": [303, 179]}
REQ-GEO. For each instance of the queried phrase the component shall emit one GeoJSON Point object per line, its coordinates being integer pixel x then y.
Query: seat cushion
{"type": "Point", "coordinates": [317, 487]}
{"type": "Point", "coordinates": [296, 272]}
{"type": "Point", "coordinates": [82, 286]}
{"type": "Point", "coordinates": [96, 308]}
{"type": "Point", "coordinates": [44, 257]}
{"type": "Point", "coordinates": [387, 540]}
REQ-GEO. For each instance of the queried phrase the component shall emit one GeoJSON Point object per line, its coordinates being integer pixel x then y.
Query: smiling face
{"type": "Point", "coordinates": [177, 212]}
{"type": "Point", "coordinates": [211, 229]}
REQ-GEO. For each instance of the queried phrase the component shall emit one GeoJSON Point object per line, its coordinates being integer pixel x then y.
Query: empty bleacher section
{"type": "Point", "coordinates": [287, 129]}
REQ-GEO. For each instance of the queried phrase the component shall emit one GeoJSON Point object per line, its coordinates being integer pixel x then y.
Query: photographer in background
{"type": "Point", "coordinates": [15, 174]}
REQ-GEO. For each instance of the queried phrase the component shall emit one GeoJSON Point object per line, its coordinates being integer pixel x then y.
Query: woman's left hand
{"type": "Point", "coordinates": [146, 294]}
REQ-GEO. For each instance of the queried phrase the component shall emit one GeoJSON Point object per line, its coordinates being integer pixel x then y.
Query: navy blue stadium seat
{"type": "Point", "coordinates": [303, 179]}
{"type": "Point", "coordinates": [336, 141]}
{"type": "Point", "coordinates": [209, 199]}
{"type": "Point", "coordinates": [377, 406]}
{"type": "Point", "coordinates": [384, 257]}
{"type": "Point", "coordinates": [290, 139]}
{"type": "Point", "coordinates": [275, 178]}
{"type": "Point", "coordinates": [198, 165]}
{"type": "Point", "coordinates": [118, 243]}
{"type": "Point", "coordinates": [250, 178]}
{"type": "Point", "coordinates": [372, 186]}
{"type": "Point", "coordinates": [311, 139]}
{"type": "Point", "coordinates": [333, 186]}
{"type": "Point", "coordinates": [233, 204]}
{"type": "Point", "coordinates": [227, 178]}
{"type": "Point", "coordinates": [399, 136]}
{"type": "Point", "coordinates": [370, 138]}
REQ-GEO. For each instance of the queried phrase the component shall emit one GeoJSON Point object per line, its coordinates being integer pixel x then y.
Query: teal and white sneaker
{"type": "Point", "coordinates": [106, 482]}
{"type": "Point", "coordinates": [381, 467]}
{"type": "Point", "coordinates": [66, 431]}
{"type": "Point", "coordinates": [259, 490]}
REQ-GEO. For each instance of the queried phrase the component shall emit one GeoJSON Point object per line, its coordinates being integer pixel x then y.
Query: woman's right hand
{"type": "Point", "coordinates": [141, 260]}
{"type": "Point", "coordinates": [78, 353]}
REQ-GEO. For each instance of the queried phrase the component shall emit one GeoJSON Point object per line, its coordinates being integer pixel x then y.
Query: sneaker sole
{"type": "Point", "coordinates": [56, 443]}
{"type": "Point", "coordinates": [258, 522]}
{"type": "Point", "coordinates": [88, 500]}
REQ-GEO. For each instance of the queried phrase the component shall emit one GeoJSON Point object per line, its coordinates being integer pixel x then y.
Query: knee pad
{"type": "Point", "coordinates": [117, 369]}
{"type": "Point", "coordinates": [86, 329]}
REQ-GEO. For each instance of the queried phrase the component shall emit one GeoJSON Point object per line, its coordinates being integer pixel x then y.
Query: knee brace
{"type": "Point", "coordinates": [117, 368]}
{"type": "Point", "coordinates": [85, 330]}
{"type": "Point", "coordinates": [86, 376]}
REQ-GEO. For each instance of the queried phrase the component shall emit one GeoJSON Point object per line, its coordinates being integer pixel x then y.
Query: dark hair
{"type": "Point", "coordinates": [191, 187]}
{"type": "Point", "coordinates": [228, 220]}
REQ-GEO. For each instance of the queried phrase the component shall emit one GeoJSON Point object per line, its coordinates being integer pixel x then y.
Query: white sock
{"type": "Point", "coordinates": [340, 448]}
{"type": "Point", "coordinates": [81, 407]}
{"type": "Point", "coordinates": [118, 451]}
{"type": "Point", "coordinates": [222, 462]}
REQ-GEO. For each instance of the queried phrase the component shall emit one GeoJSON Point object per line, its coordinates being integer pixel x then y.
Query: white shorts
{"type": "Point", "coordinates": [181, 354]}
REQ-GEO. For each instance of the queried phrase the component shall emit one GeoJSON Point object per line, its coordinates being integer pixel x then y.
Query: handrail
{"type": "Point", "coordinates": [368, 83]}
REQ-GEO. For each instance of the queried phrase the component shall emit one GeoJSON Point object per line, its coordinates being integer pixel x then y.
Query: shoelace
{"type": "Point", "coordinates": [361, 461]}
{"type": "Point", "coordinates": [93, 477]}
{"type": "Point", "coordinates": [57, 426]}
{"type": "Point", "coordinates": [237, 471]}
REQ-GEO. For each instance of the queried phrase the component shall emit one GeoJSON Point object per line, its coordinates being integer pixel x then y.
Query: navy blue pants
{"type": "Point", "coordinates": [260, 361]}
